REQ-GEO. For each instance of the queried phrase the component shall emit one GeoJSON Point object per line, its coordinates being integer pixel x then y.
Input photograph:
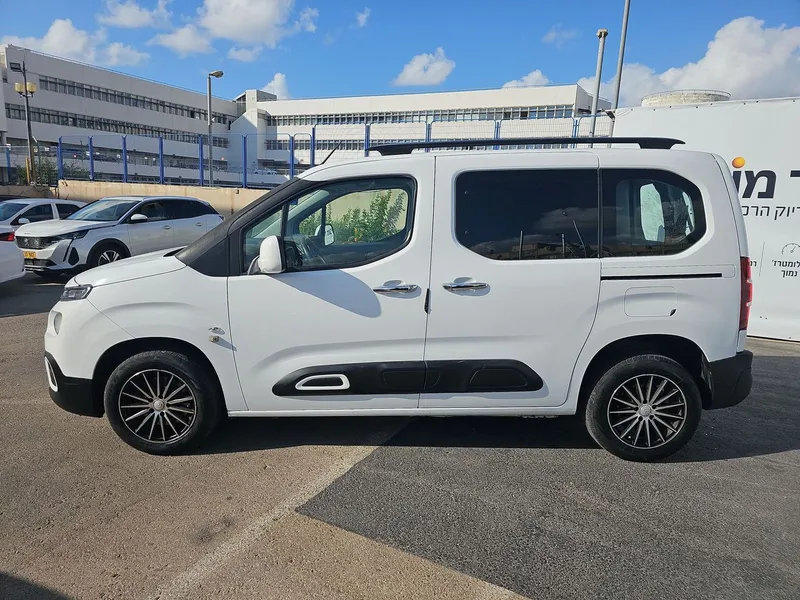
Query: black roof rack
{"type": "Point", "coordinates": [651, 143]}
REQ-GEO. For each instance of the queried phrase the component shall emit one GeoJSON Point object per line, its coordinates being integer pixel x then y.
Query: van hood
{"type": "Point", "coordinates": [60, 227]}
{"type": "Point", "coordinates": [144, 265]}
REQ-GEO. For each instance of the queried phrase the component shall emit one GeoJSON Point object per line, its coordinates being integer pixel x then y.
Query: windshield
{"type": "Point", "coordinates": [9, 209]}
{"type": "Point", "coordinates": [104, 210]}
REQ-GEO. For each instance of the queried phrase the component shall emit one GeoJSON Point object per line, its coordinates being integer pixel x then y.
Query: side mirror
{"type": "Point", "coordinates": [270, 258]}
{"type": "Point", "coordinates": [138, 218]}
{"type": "Point", "coordinates": [23, 220]}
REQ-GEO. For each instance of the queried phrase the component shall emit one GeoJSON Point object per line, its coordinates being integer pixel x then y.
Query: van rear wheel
{"type": "Point", "coordinates": [644, 408]}
{"type": "Point", "coordinates": [162, 402]}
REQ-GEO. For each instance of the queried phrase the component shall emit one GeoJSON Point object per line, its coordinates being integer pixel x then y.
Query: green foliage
{"type": "Point", "coordinates": [378, 222]}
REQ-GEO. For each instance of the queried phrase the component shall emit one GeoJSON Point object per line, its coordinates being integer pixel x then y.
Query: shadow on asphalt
{"type": "Point", "coordinates": [29, 295]}
{"type": "Point", "coordinates": [768, 422]}
{"type": "Point", "coordinates": [14, 588]}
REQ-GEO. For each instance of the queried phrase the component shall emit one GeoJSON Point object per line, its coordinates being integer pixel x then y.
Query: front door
{"type": "Point", "coordinates": [515, 278]}
{"type": "Point", "coordinates": [156, 233]}
{"type": "Point", "coordinates": [343, 328]}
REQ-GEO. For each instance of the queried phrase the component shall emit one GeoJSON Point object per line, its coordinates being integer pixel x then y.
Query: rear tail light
{"type": "Point", "coordinates": [747, 294]}
{"type": "Point", "coordinates": [7, 237]}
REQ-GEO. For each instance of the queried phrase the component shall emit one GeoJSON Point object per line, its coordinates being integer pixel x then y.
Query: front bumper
{"type": "Point", "coordinates": [73, 394]}
{"type": "Point", "coordinates": [62, 256]}
{"type": "Point", "coordinates": [730, 379]}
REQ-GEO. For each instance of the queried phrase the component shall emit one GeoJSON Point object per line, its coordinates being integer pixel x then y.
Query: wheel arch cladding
{"type": "Point", "coordinates": [682, 350]}
{"type": "Point", "coordinates": [115, 355]}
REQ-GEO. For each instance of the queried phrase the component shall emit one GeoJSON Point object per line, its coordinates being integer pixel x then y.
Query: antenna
{"type": "Point", "coordinates": [335, 148]}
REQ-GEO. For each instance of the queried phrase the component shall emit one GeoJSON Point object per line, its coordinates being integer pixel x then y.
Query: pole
{"type": "Point", "coordinates": [244, 161]}
{"type": "Point", "coordinates": [91, 159]}
{"type": "Point", "coordinates": [618, 78]}
{"type": "Point", "coordinates": [210, 139]}
{"type": "Point", "coordinates": [26, 95]}
{"type": "Point", "coordinates": [161, 160]}
{"type": "Point", "coordinates": [60, 158]}
{"type": "Point", "coordinates": [124, 159]}
{"type": "Point", "coordinates": [601, 35]}
{"type": "Point", "coordinates": [200, 157]}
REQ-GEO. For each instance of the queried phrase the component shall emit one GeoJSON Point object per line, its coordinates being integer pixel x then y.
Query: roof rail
{"type": "Point", "coordinates": [650, 143]}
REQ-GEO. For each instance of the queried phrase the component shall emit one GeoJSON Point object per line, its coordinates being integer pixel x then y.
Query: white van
{"type": "Point", "coordinates": [609, 282]}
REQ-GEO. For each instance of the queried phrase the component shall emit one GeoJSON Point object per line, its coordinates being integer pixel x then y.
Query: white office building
{"type": "Point", "coordinates": [116, 127]}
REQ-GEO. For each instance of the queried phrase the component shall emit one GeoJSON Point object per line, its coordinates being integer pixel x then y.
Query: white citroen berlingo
{"type": "Point", "coordinates": [609, 282]}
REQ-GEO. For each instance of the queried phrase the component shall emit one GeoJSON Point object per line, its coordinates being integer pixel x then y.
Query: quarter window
{"type": "Point", "coordinates": [650, 212]}
{"type": "Point", "coordinates": [528, 214]}
{"type": "Point", "coordinates": [65, 210]}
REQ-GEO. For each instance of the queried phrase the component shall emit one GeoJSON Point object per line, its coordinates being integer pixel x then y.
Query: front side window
{"type": "Point", "coordinates": [43, 212]}
{"type": "Point", "coordinates": [154, 211]}
{"type": "Point", "coordinates": [9, 209]}
{"type": "Point", "coordinates": [339, 225]}
{"type": "Point", "coordinates": [649, 212]}
{"type": "Point", "coordinates": [531, 214]}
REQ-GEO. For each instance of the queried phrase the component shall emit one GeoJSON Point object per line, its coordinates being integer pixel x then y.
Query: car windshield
{"type": "Point", "coordinates": [111, 209]}
{"type": "Point", "coordinates": [9, 209]}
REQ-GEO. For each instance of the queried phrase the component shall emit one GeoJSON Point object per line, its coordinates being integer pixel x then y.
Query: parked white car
{"type": "Point", "coordinates": [20, 211]}
{"type": "Point", "coordinates": [609, 282]}
{"type": "Point", "coordinates": [114, 228]}
{"type": "Point", "coordinates": [11, 264]}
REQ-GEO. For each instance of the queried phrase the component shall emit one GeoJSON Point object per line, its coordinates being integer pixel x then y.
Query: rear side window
{"type": "Point", "coordinates": [65, 210]}
{"type": "Point", "coordinates": [535, 214]}
{"type": "Point", "coordinates": [187, 209]}
{"type": "Point", "coordinates": [650, 212]}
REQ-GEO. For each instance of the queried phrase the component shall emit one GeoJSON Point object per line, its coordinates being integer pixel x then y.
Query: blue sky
{"type": "Point", "coordinates": [325, 48]}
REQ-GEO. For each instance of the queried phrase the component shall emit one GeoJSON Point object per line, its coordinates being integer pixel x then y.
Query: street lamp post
{"type": "Point", "coordinates": [618, 80]}
{"type": "Point", "coordinates": [27, 90]}
{"type": "Point", "coordinates": [216, 74]}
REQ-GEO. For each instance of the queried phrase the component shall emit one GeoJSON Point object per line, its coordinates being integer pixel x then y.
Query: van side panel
{"type": "Point", "coordinates": [693, 294]}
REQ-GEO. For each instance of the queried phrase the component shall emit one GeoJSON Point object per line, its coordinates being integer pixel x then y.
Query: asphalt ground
{"type": "Point", "coordinates": [388, 508]}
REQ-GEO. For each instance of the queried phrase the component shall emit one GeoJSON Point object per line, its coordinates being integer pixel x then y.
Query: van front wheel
{"type": "Point", "coordinates": [162, 402]}
{"type": "Point", "coordinates": [644, 408]}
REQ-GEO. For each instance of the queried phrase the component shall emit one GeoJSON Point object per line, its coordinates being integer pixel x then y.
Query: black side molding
{"type": "Point", "coordinates": [412, 377]}
{"type": "Point", "coordinates": [662, 276]}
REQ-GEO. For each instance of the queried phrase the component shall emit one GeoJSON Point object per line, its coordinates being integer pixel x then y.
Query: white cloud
{"type": "Point", "coordinates": [184, 41]}
{"type": "Point", "coordinates": [531, 79]}
{"type": "Point", "coordinates": [426, 69]}
{"type": "Point", "coordinates": [67, 41]}
{"type": "Point", "coordinates": [254, 21]}
{"type": "Point", "coordinates": [744, 58]}
{"type": "Point", "coordinates": [306, 20]}
{"type": "Point", "coordinates": [244, 54]}
{"type": "Point", "coordinates": [118, 54]}
{"type": "Point", "coordinates": [278, 86]}
{"type": "Point", "coordinates": [131, 15]}
{"type": "Point", "coordinates": [559, 36]}
{"type": "Point", "coordinates": [362, 17]}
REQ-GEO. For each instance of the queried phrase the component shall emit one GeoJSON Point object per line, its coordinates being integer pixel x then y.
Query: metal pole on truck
{"type": "Point", "coordinates": [602, 34]}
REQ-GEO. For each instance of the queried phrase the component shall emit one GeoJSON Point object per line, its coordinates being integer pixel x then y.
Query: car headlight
{"type": "Point", "coordinates": [79, 292]}
{"type": "Point", "coordinates": [75, 235]}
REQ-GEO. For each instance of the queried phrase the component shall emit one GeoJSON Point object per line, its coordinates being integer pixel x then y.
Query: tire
{"type": "Point", "coordinates": [617, 416]}
{"type": "Point", "coordinates": [105, 253]}
{"type": "Point", "coordinates": [163, 379]}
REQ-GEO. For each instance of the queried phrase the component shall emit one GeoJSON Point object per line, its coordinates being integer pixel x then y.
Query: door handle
{"type": "Point", "coordinates": [198, 224]}
{"type": "Point", "coordinates": [167, 227]}
{"type": "Point", "coordinates": [401, 288]}
{"type": "Point", "coordinates": [469, 286]}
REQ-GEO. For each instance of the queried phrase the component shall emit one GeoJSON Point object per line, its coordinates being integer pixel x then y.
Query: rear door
{"type": "Point", "coordinates": [188, 221]}
{"type": "Point", "coordinates": [156, 233]}
{"type": "Point", "coordinates": [515, 278]}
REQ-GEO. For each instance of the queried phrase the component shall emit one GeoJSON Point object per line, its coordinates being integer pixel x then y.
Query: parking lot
{"type": "Point", "coordinates": [385, 508]}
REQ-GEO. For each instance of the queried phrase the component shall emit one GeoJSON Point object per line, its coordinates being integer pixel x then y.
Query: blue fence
{"type": "Point", "coordinates": [260, 160]}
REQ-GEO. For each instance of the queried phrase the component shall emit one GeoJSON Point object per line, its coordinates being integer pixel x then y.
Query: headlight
{"type": "Point", "coordinates": [75, 235]}
{"type": "Point", "coordinates": [79, 292]}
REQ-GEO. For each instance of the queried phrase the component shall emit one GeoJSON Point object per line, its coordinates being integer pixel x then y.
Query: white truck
{"type": "Point", "coordinates": [759, 141]}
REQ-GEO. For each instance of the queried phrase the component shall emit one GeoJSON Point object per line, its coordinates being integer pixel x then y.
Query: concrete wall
{"type": "Point", "coordinates": [29, 191]}
{"type": "Point", "coordinates": [225, 200]}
